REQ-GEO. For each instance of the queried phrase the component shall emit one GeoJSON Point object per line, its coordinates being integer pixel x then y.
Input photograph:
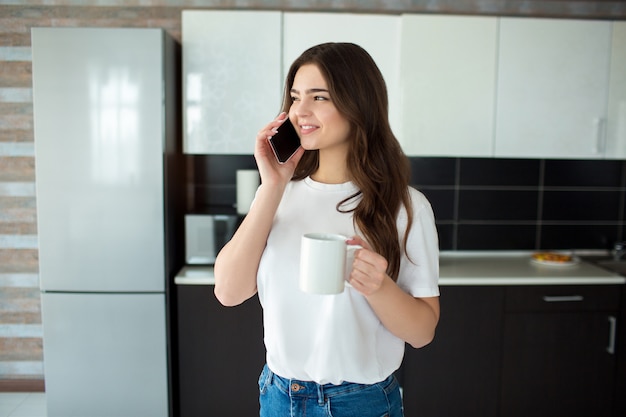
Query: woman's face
{"type": "Point", "coordinates": [314, 115]}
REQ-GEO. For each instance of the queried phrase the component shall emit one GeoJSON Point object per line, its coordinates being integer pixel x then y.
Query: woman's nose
{"type": "Point", "coordinates": [302, 108]}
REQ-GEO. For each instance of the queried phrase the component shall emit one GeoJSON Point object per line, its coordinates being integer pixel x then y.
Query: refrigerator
{"type": "Point", "coordinates": [107, 174]}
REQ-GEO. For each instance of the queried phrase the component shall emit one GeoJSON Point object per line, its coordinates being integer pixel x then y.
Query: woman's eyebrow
{"type": "Point", "coordinates": [310, 90]}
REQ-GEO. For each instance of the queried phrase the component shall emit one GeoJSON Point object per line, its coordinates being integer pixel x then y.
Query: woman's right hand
{"type": "Point", "coordinates": [271, 171]}
{"type": "Point", "coordinates": [237, 263]}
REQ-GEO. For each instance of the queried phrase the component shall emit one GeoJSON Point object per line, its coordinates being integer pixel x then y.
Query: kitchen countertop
{"type": "Point", "coordinates": [516, 268]}
{"type": "Point", "coordinates": [476, 268]}
{"type": "Point", "coordinates": [195, 275]}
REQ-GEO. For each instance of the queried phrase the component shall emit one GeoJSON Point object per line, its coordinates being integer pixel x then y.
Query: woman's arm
{"type": "Point", "coordinates": [237, 263]}
{"type": "Point", "coordinates": [412, 319]}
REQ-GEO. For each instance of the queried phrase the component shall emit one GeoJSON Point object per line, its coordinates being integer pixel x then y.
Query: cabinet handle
{"type": "Point", "coordinates": [598, 132]}
{"type": "Point", "coordinates": [612, 330]}
{"type": "Point", "coordinates": [562, 298]}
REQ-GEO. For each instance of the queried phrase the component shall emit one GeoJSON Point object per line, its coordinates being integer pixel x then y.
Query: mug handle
{"type": "Point", "coordinates": [348, 249]}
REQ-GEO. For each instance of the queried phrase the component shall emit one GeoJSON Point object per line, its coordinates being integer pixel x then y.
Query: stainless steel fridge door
{"type": "Point", "coordinates": [105, 355]}
{"type": "Point", "coordinates": [98, 121]}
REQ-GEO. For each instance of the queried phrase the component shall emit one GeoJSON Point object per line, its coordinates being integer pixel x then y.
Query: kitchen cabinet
{"type": "Point", "coordinates": [221, 354]}
{"type": "Point", "coordinates": [616, 123]}
{"type": "Point", "coordinates": [553, 78]}
{"type": "Point", "coordinates": [620, 385]}
{"type": "Point", "coordinates": [559, 351]}
{"type": "Point", "coordinates": [448, 81]}
{"type": "Point", "coordinates": [471, 86]}
{"type": "Point", "coordinates": [503, 350]}
{"type": "Point", "coordinates": [379, 35]}
{"type": "Point", "coordinates": [232, 84]}
{"type": "Point", "coordinates": [458, 374]}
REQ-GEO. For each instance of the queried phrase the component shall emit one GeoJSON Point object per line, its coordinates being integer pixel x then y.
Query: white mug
{"type": "Point", "coordinates": [325, 263]}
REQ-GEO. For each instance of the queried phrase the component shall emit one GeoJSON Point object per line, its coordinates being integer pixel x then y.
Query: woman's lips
{"type": "Point", "coordinates": [304, 129]}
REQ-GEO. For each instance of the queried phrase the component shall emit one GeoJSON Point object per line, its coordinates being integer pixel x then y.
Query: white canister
{"type": "Point", "coordinates": [248, 181]}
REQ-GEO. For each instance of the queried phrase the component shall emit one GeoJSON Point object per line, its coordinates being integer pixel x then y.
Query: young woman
{"type": "Point", "coordinates": [335, 354]}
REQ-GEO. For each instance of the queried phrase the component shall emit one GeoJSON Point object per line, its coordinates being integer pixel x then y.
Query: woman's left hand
{"type": "Point", "coordinates": [369, 269]}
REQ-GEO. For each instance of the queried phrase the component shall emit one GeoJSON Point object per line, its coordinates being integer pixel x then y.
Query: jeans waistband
{"type": "Point", "coordinates": [310, 389]}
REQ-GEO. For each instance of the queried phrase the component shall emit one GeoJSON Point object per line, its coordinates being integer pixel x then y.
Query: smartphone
{"type": "Point", "coordinates": [285, 142]}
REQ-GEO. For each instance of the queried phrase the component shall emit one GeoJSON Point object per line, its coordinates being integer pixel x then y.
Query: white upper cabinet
{"type": "Point", "coordinates": [473, 86]}
{"type": "Point", "coordinates": [231, 78]}
{"type": "Point", "coordinates": [377, 34]}
{"type": "Point", "coordinates": [553, 77]}
{"type": "Point", "coordinates": [448, 79]}
{"type": "Point", "coordinates": [616, 126]}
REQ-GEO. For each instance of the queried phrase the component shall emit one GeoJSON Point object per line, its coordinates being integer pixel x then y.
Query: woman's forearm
{"type": "Point", "coordinates": [237, 263]}
{"type": "Point", "coordinates": [412, 319]}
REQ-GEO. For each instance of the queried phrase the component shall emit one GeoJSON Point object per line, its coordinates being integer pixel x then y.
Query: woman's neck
{"type": "Point", "coordinates": [329, 178]}
{"type": "Point", "coordinates": [332, 169]}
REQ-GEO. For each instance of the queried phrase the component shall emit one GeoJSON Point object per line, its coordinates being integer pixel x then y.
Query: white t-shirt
{"type": "Point", "coordinates": [334, 338]}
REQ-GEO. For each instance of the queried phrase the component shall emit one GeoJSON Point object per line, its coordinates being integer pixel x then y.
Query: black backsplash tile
{"type": "Point", "coordinates": [480, 203]}
{"type": "Point", "coordinates": [584, 173]}
{"type": "Point", "coordinates": [442, 202]}
{"type": "Point", "coordinates": [581, 205]}
{"type": "Point", "coordinates": [499, 172]}
{"type": "Point", "coordinates": [433, 171]}
{"type": "Point", "coordinates": [496, 237]}
{"type": "Point", "coordinates": [446, 236]}
{"type": "Point", "coordinates": [219, 169]}
{"type": "Point", "coordinates": [213, 181]}
{"type": "Point", "coordinates": [213, 196]}
{"type": "Point", "coordinates": [497, 205]}
{"type": "Point", "coordinates": [574, 236]}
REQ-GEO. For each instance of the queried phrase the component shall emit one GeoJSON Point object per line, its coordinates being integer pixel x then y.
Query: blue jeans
{"type": "Point", "coordinates": [282, 397]}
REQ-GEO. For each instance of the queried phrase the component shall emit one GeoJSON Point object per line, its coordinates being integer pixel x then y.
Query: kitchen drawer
{"type": "Point", "coordinates": [562, 298]}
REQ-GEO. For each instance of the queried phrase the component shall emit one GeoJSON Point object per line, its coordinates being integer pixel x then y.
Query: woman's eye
{"type": "Point", "coordinates": [294, 98]}
{"type": "Point", "coordinates": [320, 98]}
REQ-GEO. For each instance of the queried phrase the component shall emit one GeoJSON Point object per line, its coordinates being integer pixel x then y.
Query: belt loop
{"type": "Point", "coordinates": [270, 376]}
{"type": "Point", "coordinates": [320, 394]}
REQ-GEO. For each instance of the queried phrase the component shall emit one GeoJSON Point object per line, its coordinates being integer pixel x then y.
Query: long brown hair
{"type": "Point", "coordinates": [378, 166]}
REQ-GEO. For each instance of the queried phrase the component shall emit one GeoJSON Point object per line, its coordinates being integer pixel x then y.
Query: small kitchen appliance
{"type": "Point", "coordinates": [205, 235]}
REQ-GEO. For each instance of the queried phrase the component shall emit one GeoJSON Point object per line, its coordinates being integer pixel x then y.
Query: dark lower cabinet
{"type": "Point", "coordinates": [458, 374]}
{"type": "Point", "coordinates": [221, 354]}
{"type": "Point", "coordinates": [519, 351]}
{"type": "Point", "coordinates": [559, 352]}
{"type": "Point", "coordinates": [499, 351]}
{"type": "Point", "coordinates": [620, 386]}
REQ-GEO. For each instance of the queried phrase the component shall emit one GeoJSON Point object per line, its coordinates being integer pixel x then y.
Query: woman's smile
{"type": "Point", "coordinates": [320, 124]}
{"type": "Point", "coordinates": [305, 129]}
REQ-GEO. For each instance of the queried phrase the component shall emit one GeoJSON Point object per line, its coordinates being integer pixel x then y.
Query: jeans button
{"type": "Point", "coordinates": [296, 387]}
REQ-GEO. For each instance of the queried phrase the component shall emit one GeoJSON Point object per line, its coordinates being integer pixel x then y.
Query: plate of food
{"type": "Point", "coordinates": [554, 259]}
